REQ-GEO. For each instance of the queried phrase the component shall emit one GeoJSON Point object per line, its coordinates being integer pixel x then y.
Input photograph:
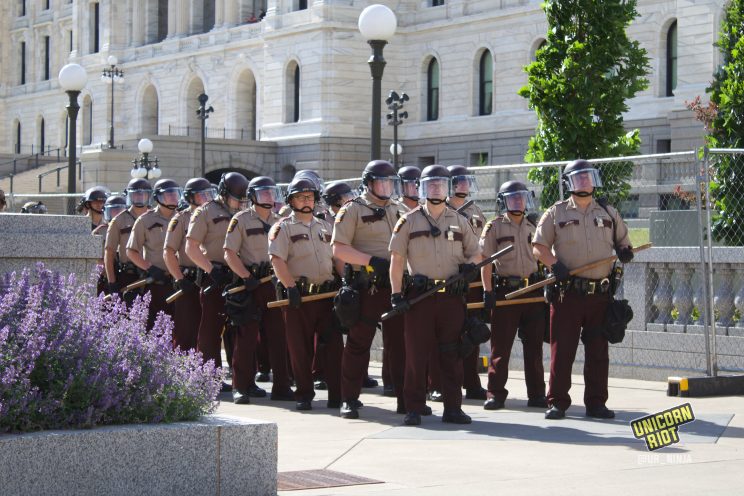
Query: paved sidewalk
{"type": "Point", "coordinates": [514, 451]}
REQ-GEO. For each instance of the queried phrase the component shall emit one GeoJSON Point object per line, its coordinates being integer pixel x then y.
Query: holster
{"type": "Point", "coordinates": [240, 307]}
{"type": "Point", "coordinates": [347, 306]}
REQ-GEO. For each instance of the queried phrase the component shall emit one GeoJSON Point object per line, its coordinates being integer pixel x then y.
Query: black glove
{"type": "Point", "coordinates": [157, 274]}
{"type": "Point", "coordinates": [219, 276]}
{"type": "Point", "coordinates": [469, 271]}
{"type": "Point", "coordinates": [560, 271]}
{"type": "Point", "coordinates": [379, 265]}
{"type": "Point", "coordinates": [293, 295]}
{"type": "Point", "coordinates": [251, 283]}
{"type": "Point", "coordinates": [113, 288]}
{"type": "Point", "coordinates": [399, 303]}
{"type": "Point", "coordinates": [184, 285]}
{"type": "Point", "coordinates": [625, 254]}
{"type": "Point", "coordinates": [489, 300]}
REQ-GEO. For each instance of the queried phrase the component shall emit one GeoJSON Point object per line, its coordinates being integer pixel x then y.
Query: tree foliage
{"type": "Point", "coordinates": [726, 130]}
{"type": "Point", "coordinates": [578, 87]}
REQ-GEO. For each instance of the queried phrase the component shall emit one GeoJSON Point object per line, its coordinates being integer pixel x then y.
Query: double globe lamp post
{"type": "Point", "coordinates": [377, 24]}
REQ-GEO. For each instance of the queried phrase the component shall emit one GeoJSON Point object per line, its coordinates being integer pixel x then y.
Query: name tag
{"type": "Point", "coordinates": [568, 223]}
{"type": "Point", "coordinates": [453, 236]}
{"type": "Point", "coordinates": [298, 237]}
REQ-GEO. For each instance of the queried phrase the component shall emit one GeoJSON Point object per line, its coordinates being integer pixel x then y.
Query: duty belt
{"type": "Point", "coordinates": [307, 288]}
{"type": "Point", "coordinates": [362, 279]}
{"type": "Point", "coordinates": [587, 286]}
{"type": "Point", "coordinates": [422, 283]}
{"type": "Point", "coordinates": [189, 272]}
{"type": "Point", "coordinates": [513, 282]}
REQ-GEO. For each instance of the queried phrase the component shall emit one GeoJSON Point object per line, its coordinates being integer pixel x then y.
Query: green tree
{"type": "Point", "coordinates": [578, 87]}
{"type": "Point", "coordinates": [726, 129]}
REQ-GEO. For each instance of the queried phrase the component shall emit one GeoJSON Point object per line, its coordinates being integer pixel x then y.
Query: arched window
{"type": "Point", "coordinates": [671, 60]}
{"type": "Point", "coordinates": [149, 124]}
{"type": "Point", "coordinates": [485, 84]}
{"type": "Point", "coordinates": [292, 93]}
{"type": "Point", "coordinates": [538, 46]}
{"type": "Point", "coordinates": [245, 105]}
{"type": "Point", "coordinates": [432, 91]}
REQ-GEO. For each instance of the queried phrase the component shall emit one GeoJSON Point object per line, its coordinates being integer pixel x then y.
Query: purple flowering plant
{"type": "Point", "coordinates": [71, 359]}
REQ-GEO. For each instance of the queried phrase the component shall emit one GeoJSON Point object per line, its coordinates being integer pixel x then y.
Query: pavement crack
{"type": "Point", "coordinates": [344, 453]}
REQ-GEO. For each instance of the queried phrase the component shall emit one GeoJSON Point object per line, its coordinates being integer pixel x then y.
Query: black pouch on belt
{"type": "Point", "coordinates": [347, 306]}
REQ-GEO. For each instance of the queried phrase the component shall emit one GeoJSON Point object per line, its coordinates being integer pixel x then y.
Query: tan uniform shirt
{"type": "Point", "coordinates": [502, 232]}
{"type": "Point", "coordinates": [357, 226]}
{"type": "Point", "coordinates": [148, 237]}
{"type": "Point", "coordinates": [208, 226]}
{"type": "Point", "coordinates": [175, 238]}
{"type": "Point", "coordinates": [476, 217]}
{"type": "Point", "coordinates": [248, 237]}
{"type": "Point", "coordinates": [434, 257]}
{"type": "Point", "coordinates": [578, 238]}
{"type": "Point", "coordinates": [117, 235]}
{"type": "Point", "coordinates": [305, 248]}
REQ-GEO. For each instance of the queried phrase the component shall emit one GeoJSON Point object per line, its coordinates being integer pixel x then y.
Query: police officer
{"type": "Point", "coordinates": [186, 309]}
{"type": "Point", "coordinates": [570, 234]}
{"type": "Point", "coordinates": [3, 203]}
{"type": "Point", "coordinates": [515, 270]}
{"type": "Point", "coordinates": [361, 235]}
{"type": "Point", "coordinates": [120, 271]}
{"type": "Point", "coordinates": [113, 206]}
{"type": "Point", "coordinates": [92, 204]}
{"type": "Point", "coordinates": [247, 253]}
{"type": "Point", "coordinates": [464, 184]}
{"type": "Point", "coordinates": [409, 185]}
{"type": "Point", "coordinates": [205, 239]}
{"type": "Point", "coordinates": [335, 195]}
{"type": "Point", "coordinates": [145, 245]}
{"type": "Point", "coordinates": [301, 254]}
{"type": "Point", "coordinates": [437, 242]}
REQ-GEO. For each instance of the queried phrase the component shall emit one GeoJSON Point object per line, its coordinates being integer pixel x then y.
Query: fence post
{"type": "Point", "coordinates": [711, 315]}
{"type": "Point", "coordinates": [706, 309]}
{"type": "Point", "coordinates": [36, 160]}
{"type": "Point", "coordinates": [15, 167]}
{"type": "Point", "coordinates": [39, 183]}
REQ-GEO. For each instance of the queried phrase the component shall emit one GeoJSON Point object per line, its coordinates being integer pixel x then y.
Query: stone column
{"type": "Point", "coordinates": [232, 14]}
{"type": "Point", "coordinates": [138, 23]}
{"type": "Point", "coordinates": [219, 13]}
{"type": "Point", "coordinates": [173, 13]}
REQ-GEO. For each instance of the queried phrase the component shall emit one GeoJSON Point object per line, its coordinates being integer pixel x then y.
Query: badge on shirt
{"type": "Point", "coordinates": [600, 222]}
{"type": "Point", "coordinates": [233, 225]}
{"type": "Point", "coordinates": [399, 224]}
{"type": "Point", "coordinates": [324, 236]}
{"type": "Point", "coordinates": [172, 225]}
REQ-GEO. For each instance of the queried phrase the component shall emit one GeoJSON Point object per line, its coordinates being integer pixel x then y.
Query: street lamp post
{"type": "Point", "coordinates": [203, 114]}
{"type": "Point", "coordinates": [143, 167]}
{"type": "Point", "coordinates": [395, 118]}
{"type": "Point", "coordinates": [112, 75]}
{"type": "Point", "coordinates": [377, 23]}
{"type": "Point", "coordinates": [72, 78]}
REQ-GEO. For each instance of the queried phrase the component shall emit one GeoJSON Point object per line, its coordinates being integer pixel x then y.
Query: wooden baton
{"type": "Point", "coordinates": [578, 270]}
{"type": "Point", "coordinates": [304, 299]}
{"type": "Point", "coordinates": [505, 303]}
{"type": "Point", "coordinates": [234, 290]}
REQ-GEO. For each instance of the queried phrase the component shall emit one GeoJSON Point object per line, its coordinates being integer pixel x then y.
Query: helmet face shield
{"type": "Point", "coordinates": [139, 197]}
{"type": "Point", "coordinates": [434, 188]}
{"type": "Point", "coordinates": [385, 187]}
{"type": "Point", "coordinates": [266, 195]}
{"type": "Point", "coordinates": [111, 211]}
{"type": "Point", "coordinates": [518, 201]}
{"type": "Point", "coordinates": [583, 180]}
{"type": "Point", "coordinates": [169, 196]}
{"type": "Point", "coordinates": [204, 196]}
{"type": "Point", "coordinates": [409, 189]}
{"type": "Point", "coordinates": [463, 186]}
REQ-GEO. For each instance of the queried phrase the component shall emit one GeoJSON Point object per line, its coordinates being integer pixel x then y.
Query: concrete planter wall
{"type": "Point", "coordinates": [218, 455]}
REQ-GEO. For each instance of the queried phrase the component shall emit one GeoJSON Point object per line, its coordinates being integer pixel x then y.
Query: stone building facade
{"type": "Point", "coordinates": [290, 84]}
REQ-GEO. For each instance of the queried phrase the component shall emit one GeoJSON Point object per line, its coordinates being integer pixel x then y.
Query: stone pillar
{"type": "Point", "coordinates": [232, 14]}
{"type": "Point", "coordinates": [138, 22]}
{"type": "Point", "coordinates": [173, 14]}
{"type": "Point", "coordinates": [219, 14]}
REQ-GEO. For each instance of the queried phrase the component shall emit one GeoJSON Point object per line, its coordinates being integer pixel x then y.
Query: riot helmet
{"type": "Point", "coordinates": [114, 205]}
{"type": "Point", "coordinates": [139, 193]}
{"type": "Point", "coordinates": [300, 188]}
{"type": "Point", "coordinates": [434, 184]}
{"type": "Point", "coordinates": [312, 176]}
{"type": "Point", "coordinates": [33, 207]}
{"type": "Point", "coordinates": [581, 178]}
{"type": "Point", "coordinates": [409, 182]}
{"type": "Point", "coordinates": [94, 195]}
{"type": "Point", "coordinates": [515, 198]}
{"type": "Point", "coordinates": [380, 179]}
{"type": "Point", "coordinates": [167, 193]}
{"type": "Point", "coordinates": [264, 192]}
{"type": "Point", "coordinates": [337, 193]}
{"type": "Point", "coordinates": [199, 191]}
{"type": "Point", "coordinates": [233, 189]}
{"type": "Point", "coordinates": [463, 182]}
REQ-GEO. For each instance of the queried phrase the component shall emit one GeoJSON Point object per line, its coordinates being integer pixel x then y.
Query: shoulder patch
{"type": "Point", "coordinates": [172, 225]}
{"type": "Point", "coordinates": [341, 212]}
{"type": "Point", "coordinates": [488, 227]}
{"type": "Point", "coordinates": [399, 224]}
{"type": "Point", "coordinates": [275, 230]}
{"type": "Point", "coordinates": [233, 225]}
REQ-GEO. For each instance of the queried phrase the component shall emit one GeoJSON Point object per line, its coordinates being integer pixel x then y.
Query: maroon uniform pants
{"type": "Point", "coordinates": [211, 324]}
{"type": "Point", "coordinates": [567, 318]}
{"type": "Point", "coordinates": [505, 321]}
{"type": "Point", "coordinates": [433, 322]}
{"type": "Point", "coordinates": [158, 294]}
{"type": "Point", "coordinates": [359, 341]}
{"type": "Point", "coordinates": [186, 317]}
{"type": "Point", "coordinates": [302, 325]}
{"type": "Point", "coordinates": [470, 378]}
{"type": "Point", "coordinates": [272, 328]}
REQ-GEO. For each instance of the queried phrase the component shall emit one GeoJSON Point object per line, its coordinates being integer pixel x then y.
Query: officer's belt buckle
{"type": "Point", "coordinates": [312, 289]}
{"type": "Point", "coordinates": [591, 287]}
{"type": "Point", "coordinates": [443, 289]}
